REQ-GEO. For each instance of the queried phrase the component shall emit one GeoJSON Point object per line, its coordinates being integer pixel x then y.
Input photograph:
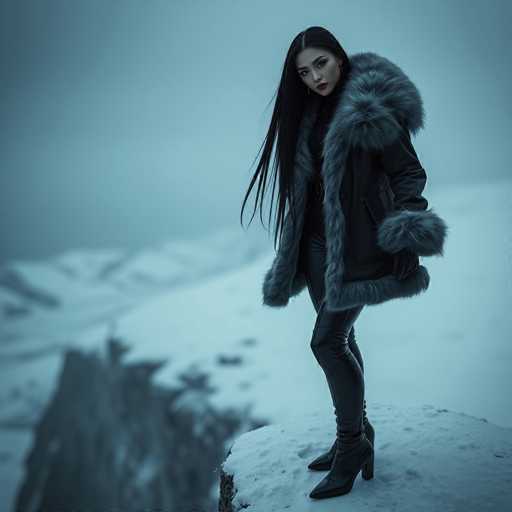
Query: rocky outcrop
{"type": "Point", "coordinates": [110, 439]}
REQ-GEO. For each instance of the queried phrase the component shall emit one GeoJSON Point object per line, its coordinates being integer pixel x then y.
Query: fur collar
{"type": "Point", "coordinates": [377, 100]}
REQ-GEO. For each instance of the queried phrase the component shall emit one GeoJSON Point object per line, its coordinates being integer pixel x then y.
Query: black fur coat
{"type": "Point", "coordinates": [368, 136]}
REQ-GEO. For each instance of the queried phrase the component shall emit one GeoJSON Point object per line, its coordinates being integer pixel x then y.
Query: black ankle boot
{"type": "Point", "coordinates": [352, 454]}
{"type": "Point", "coordinates": [323, 462]}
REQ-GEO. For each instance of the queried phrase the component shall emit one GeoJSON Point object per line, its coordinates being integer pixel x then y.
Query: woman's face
{"type": "Point", "coordinates": [317, 66]}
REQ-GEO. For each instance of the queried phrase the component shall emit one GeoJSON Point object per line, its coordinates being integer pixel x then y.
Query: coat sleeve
{"type": "Point", "coordinates": [410, 225]}
{"type": "Point", "coordinates": [406, 175]}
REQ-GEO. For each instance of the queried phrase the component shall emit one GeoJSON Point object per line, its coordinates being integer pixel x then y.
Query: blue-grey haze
{"type": "Point", "coordinates": [127, 123]}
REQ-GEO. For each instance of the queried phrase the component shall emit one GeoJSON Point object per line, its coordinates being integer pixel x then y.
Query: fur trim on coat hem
{"type": "Point", "coordinates": [421, 231]}
{"type": "Point", "coordinates": [357, 293]}
{"type": "Point", "coordinates": [376, 291]}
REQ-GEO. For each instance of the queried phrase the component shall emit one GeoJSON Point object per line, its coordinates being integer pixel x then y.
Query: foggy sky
{"type": "Point", "coordinates": [129, 123]}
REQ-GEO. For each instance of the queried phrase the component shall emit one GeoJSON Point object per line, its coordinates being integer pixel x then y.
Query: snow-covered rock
{"type": "Point", "coordinates": [426, 459]}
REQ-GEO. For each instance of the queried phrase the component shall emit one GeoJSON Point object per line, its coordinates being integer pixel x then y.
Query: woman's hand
{"type": "Point", "coordinates": [404, 263]}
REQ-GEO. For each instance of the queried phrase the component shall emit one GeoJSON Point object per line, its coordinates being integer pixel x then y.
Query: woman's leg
{"type": "Point", "coordinates": [331, 339]}
{"type": "Point", "coordinates": [344, 375]}
{"type": "Point", "coordinates": [313, 265]}
{"type": "Point", "coordinates": [354, 348]}
{"type": "Point", "coordinates": [313, 262]}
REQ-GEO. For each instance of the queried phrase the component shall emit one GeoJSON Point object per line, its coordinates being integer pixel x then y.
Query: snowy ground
{"type": "Point", "coordinates": [435, 460]}
{"type": "Point", "coordinates": [448, 348]}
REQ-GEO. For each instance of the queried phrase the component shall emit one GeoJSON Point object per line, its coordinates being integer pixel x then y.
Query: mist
{"type": "Point", "coordinates": [131, 123]}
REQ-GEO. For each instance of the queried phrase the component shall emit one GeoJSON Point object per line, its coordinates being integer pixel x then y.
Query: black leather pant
{"type": "Point", "coordinates": [333, 342]}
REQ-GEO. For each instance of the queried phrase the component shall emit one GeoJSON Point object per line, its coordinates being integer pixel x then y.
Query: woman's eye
{"type": "Point", "coordinates": [319, 64]}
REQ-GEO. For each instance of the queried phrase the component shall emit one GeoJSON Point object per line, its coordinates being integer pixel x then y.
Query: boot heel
{"type": "Point", "coordinates": [367, 471]}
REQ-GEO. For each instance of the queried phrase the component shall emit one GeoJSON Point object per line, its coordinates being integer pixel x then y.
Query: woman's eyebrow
{"type": "Point", "coordinates": [304, 67]}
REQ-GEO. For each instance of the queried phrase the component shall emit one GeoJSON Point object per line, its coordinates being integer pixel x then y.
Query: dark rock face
{"type": "Point", "coordinates": [227, 492]}
{"type": "Point", "coordinates": [110, 439]}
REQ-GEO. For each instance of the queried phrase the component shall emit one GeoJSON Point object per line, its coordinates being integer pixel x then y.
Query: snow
{"type": "Point", "coordinates": [425, 459]}
{"type": "Point", "coordinates": [448, 348]}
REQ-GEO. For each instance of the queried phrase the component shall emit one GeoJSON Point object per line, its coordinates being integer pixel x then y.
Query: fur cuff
{"type": "Point", "coordinates": [274, 294]}
{"type": "Point", "coordinates": [421, 231]}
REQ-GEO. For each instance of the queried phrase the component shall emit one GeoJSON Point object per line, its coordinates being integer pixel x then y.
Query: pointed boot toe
{"type": "Point", "coordinates": [328, 488]}
{"type": "Point", "coordinates": [345, 467]}
{"type": "Point", "coordinates": [323, 462]}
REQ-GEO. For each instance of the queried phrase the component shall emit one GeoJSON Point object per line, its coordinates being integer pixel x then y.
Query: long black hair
{"type": "Point", "coordinates": [292, 97]}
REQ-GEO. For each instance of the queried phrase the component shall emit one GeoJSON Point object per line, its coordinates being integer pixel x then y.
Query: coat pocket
{"type": "Point", "coordinates": [386, 194]}
{"type": "Point", "coordinates": [375, 206]}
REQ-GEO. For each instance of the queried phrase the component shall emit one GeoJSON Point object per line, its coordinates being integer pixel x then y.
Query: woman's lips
{"type": "Point", "coordinates": [322, 86]}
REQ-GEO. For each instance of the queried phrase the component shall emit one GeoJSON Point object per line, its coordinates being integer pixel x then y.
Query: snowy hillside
{"type": "Point", "coordinates": [448, 348]}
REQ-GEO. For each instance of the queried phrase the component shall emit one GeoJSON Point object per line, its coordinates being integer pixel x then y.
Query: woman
{"type": "Point", "coordinates": [351, 217]}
